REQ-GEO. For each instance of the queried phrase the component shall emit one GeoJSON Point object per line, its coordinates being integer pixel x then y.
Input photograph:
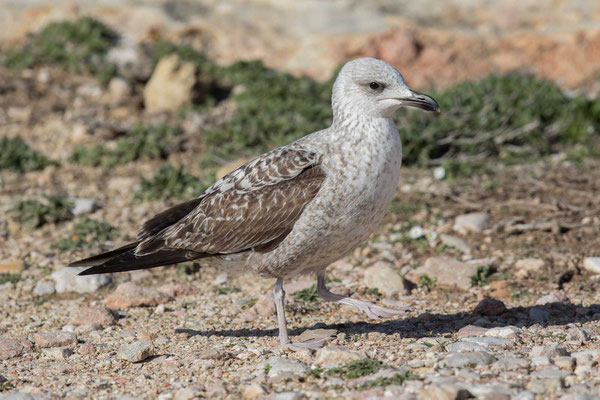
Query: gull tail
{"type": "Point", "coordinates": [124, 259]}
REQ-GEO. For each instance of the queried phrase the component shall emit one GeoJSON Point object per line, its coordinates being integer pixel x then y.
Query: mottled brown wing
{"type": "Point", "coordinates": [254, 207]}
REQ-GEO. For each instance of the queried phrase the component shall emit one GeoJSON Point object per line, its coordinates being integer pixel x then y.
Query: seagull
{"type": "Point", "coordinates": [295, 209]}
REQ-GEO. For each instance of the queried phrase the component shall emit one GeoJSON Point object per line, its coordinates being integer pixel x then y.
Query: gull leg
{"type": "Point", "coordinates": [284, 340]}
{"type": "Point", "coordinates": [372, 310]}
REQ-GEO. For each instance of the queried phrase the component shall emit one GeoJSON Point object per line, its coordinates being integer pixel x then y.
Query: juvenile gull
{"type": "Point", "coordinates": [295, 209]}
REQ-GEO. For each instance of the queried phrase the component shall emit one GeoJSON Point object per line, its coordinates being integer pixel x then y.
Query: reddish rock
{"type": "Point", "coordinates": [93, 315]}
{"type": "Point", "coordinates": [500, 289]}
{"type": "Point", "coordinates": [490, 307]}
{"type": "Point", "coordinates": [265, 305]}
{"type": "Point", "coordinates": [87, 349]}
{"type": "Point", "coordinates": [54, 338]}
{"type": "Point", "coordinates": [175, 290]}
{"type": "Point", "coordinates": [10, 348]}
{"type": "Point", "coordinates": [471, 330]}
{"type": "Point", "coordinates": [129, 295]}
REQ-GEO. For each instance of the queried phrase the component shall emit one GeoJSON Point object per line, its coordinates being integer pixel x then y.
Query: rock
{"type": "Point", "coordinates": [136, 351]}
{"type": "Point", "coordinates": [212, 354]}
{"type": "Point", "coordinates": [297, 285]}
{"type": "Point", "coordinates": [316, 334]}
{"type": "Point", "coordinates": [592, 264]}
{"type": "Point", "coordinates": [58, 353]}
{"type": "Point", "coordinates": [384, 278]}
{"type": "Point", "coordinates": [503, 332]}
{"type": "Point", "coordinates": [564, 362]}
{"type": "Point", "coordinates": [448, 272]}
{"type": "Point", "coordinates": [528, 266]}
{"type": "Point", "coordinates": [456, 242]}
{"type": "Point", "coordinates": [548, 351]}
{"type": "Point", "coordinates": [87, 328]}
{"type": "Point", "coordinates": [539, 314]}
{"type": "Point", "coordinates": [176, 290]}
{"type": "Point", "coordinates": [10, 348]}
{"type": "Point", "coordinates": [254, 391]}
{"type": "Point", "coordinates": [220, 279]}
{"type": "Point", "coordinates": [490, 307]}
{"type": "Point", "coordinates": [93, 315]}
{"type": "Point", "coordinates": [554, 298]}
{"type": "Point", "coordinates": [280, 368]}
{"type": "Point", "coordinates": [119, 90]}
{"type": "Point", "coordinates": [130, 61]}
{"type": "Point", "coordinates": [510, 363]}
{"type": "Point", "coordinates": [471, 330]}
{"type": "Point", "coordinates": [187, 394]}
{"type": "Point", "coordinates": [458, 347]}
{"type": "Point", "coordinates": [500, 289]}
{"type": "Point", "coordinates": [67, 280]}
{"type": "Point", "coordinates": [338, 355]}
{"type": "Point", "coordinates": [170, 85]}
{"type": "Point", "coordinates": [489, 341]}
{"type": "Point", "coordinates": [54, 339]}
{"type": "Point", "coordinates": [230, 166]}
{"type": "Point", "coordinates": [289, 396]}
{"type": "Point", "coordinates": [129, 295]}
{"type": "Point", "coordinates": [461, 360]}
{"type": "Point", "coordinates": [87, 349]}
{"type": "Point", "coordinates": [11, 267]}
{"type": "Point", "coordinates": [83, 206]}
{"type": "Point", "coordinates": [22, 396]}
{"type": "Point", "coordinates": [473, 222]}
{"type": "Point", "coordinates": [444, 392]}
{"type": "Point", "coordinates": [265, 305]}
{"type": "Point", "coordinates": [44, 288]}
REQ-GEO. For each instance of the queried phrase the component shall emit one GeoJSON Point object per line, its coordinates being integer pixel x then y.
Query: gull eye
{"type": "Point", "coordinates": [374, 85]}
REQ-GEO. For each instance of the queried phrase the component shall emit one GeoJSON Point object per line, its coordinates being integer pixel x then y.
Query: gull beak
{"type": "Point", "coordinates": [420, 100]}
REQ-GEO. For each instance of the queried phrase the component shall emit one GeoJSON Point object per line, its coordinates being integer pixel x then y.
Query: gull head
{"type": "Point", "coordinates": [374, 88]}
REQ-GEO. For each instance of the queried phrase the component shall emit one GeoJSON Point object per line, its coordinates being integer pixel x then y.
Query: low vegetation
{"type": "Point", "coordinates": [35, 213]}
{"type": "Point", "coordinates": [356, 369]}
{"type": "Point", "coordinates": [170, 182]}
{"type": "Point", "coordinates": [86, 233]}
{"type": "Point", "coordinates": [143, 141]}
{"type": "Point", "coordinates": [17, 156]}
{"type": "Point", "coordinates": [307, 295]}
{"type": "Point", "coordinates": [80, 46]}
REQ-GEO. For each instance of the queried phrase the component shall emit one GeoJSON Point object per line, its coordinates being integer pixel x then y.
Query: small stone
{"type": "Point", "coordinates": [528, 266]}
{"type": "Point", "coordinates": [539, 314]}
{"type": "Point", "coordinates": [254, 391]}
{"type": "Point", "coordinates": [338, 355]}
{"type": "Point", "coordinates": [10, 348]}
{"type": "Point", "coordinates": [280, 368]}
{"type": "Point", "coordinates": [541, 361]}
{"type": "Point", "coordinates": [136, 351]}
{"type": "Point", "coordinates": [289, 396]}
{"type": "Point", "coordinates": [564, 362]}
{"type": "Point", "coordinates": [503, 331]}
{"type": "Point", "coordinates": [490, 341]}
{"type": "Point", "coordinates": [211, 354]}
{"type": "Point", "coordinates": [447, 271]}
{"type": "Point", "coordinates": [83, 206]}
{"type": "Point", "coordinates": [129, 295]}
{"type": "Point", "coordinates": [554, 298]}
{"type": "Point", "coordinates": [87, 349]}
{"type": "Point", "coordinates": [473, 222]}
{"type": "Point", "coordinates": [456, 242]}
{"type": "Point", "coordinates": [500, 289]}
{"type": "Point", "coordinates": [549, 351]}
{"type": "Point", "coordinates": [171, 85]}
{"type": "Point", "coordinates": [316, 334]}
{"type": "Point", "coordinates": [457, 347]}
{"type": "Point", "coordinates": [220, 279]}
{"type": "Point", "coordinates": [54, 339]}
{"type": "Point", "coordinates": [384, 278]}
{"type": "Point", "coordinates": [58, 353]}
{"type": "Point", "coordinates": [93, 315]}
{"type": "Point", "coordinates": [265, 305]}
{"type": "Point", "coordinates": [44, 288]}
{"type": "Point", "coordinates": [444, 392]}
{"type": "Point", "coordinates": [511, 364]}
{"type": "Point", "coordinates": [67, 280]}
{"type": "Point", "coordinates": [471, 330]}
{"type": "Point", "coordinates": [87, 328]}
{"type": "Point", "coordinates": [490, 307]}
{"type": "Point", "coordinates": [496, 396]}
{"type": "Point", "coordinates": [11, 267]}
{"type": "Point", "coordinates": [176, 290]}
{"type": "Point", "coordinates": [461, 360]}
{"type": "Point", "coordinates": [119, 90]}
{"type": "Point", "coordinates": [592, 264]}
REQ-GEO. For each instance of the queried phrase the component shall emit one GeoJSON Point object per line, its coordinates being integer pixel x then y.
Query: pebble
{"type": "Point", "coordinates": [283, 368]}
{"type": "Point", "coordinates": [254, 391]}
{"type": "Point", "coordinates": [503, 332]}
{"type": "Point", "coordinates": [444, 392]}
{"type": "Point", "coordinates": [316, 334]}
{"type": "Point", "coordinates": [67, 280]}
{"type": "Point", "coordinates": [490, 307]}
{"type": "Point", "coordinates": [460, 360]}
{"type": "Point", "coordinates": [541, 361]}
{"type": "Point", "coordinates": [11, 267]}
{"type": "Point", "coordinates": [592, 264]}
{"type": "Point", "coordinates": [84, 205]}
{"type": "Point", "coordinates": [289, 396]}
{"type": "Point", "coordinates": [171, 85]}
{"type": "Point", "coordinates": [58, 353]}
{"type": "Point", "coordinates": [549, 351]}
{"type": "Point", "coordinates": [338, 355]}
{"type": "Point", "coordinates": [44, 287]}
{"type": "Point", "coordinates": [119, 90]}
{"type": "Point", "coordinates": [54, 338]}
{"type": "Point", "coordinates": [510, 363]}
{"type": "Point", "coordinates": [10, 348]}
{"type": "Point", "coordinates": [448, 272]}
{"type": "Point", "coordinates": [473, 222]}
{"type": "Point", "coordinates": [384, 278]}
{"type": "Point", "coordinates": [136, 351]}
{"type": "Point", "coordinates": [456, 242]}
{"type": "Point", "coordinates": [539, 314]}
{"type": "Point", "coordinates": [528, 266]}
{"type": "Point", "coordinates": [129, 295]}
{"type": "Point", "coordinates": [87, 349]}
{"type": "Point", "coordinates": [176, 290]}
{"type": "Point", "coordinates": [93, 315]}
{"type": "Point", "coordinates": [265, 305]}
{"type": "Point", "coordinates": [564, 362]}
{"type": "Point", "coordinates": [554, 298]}
{"type": "Point", "coordinates": [471, 330]}
{"type": "Point", "coordinates": [489, 341]}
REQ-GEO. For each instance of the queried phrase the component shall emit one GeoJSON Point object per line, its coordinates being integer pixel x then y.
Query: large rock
{"type": "Point", "coordinates": [473, 222]}
{"type": "Point", "coordinates": [10, 348]}
{"type": "Point", "coordinates": [93, 315]}
{"type": "Point", "coordinates": [592, 264]}
{"type": "Point", "coordinates": [448, 272]}
{"type": "Point", "coordinates": [338, 355]}
{"type": "Point", "coordinates": [136, 351]}
{"type": "Point", "coordinates": [280, 368]}
{"type": "Point", "coordinates": [384, 278]}
{"type": "Point", "coordinates": [54, 338]}
{"type": "Point", "coordinates": [129, 295]}
{"type": "Point", "coordinates": [67, 280]}
{"type": "Point", "coordinates": [171, 85]}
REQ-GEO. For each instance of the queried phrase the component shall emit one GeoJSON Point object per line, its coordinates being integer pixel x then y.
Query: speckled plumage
{"type": "Point", "coordinates": [298, 208]}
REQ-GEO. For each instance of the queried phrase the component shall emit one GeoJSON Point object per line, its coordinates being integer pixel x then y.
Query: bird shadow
{"type": "Point", "coordinates": [428, 324]}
